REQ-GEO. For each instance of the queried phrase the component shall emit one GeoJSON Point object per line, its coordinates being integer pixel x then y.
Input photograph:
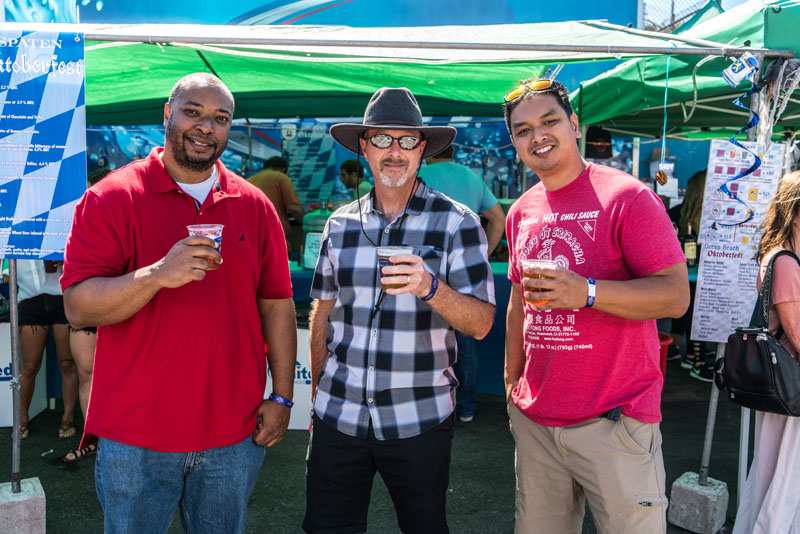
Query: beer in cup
{"type": "Point", "coordinates": [528, 267]}
{"type": "Point", "coordinates": [384, 253]}
{"type": "Point", "coordinates": [211, 231]}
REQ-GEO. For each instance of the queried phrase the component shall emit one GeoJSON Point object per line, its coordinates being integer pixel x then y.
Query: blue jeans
{"type": "Point", "coordinates": [140, 489]}
{"type": "Point", "coordinates": [466, 369]}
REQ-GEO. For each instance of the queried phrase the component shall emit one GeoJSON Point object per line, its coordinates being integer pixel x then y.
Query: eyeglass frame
{"type": "Point", "coordinates": [420, 138]}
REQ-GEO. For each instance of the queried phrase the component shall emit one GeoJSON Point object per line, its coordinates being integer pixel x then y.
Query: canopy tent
{"type": "Point", "coordinates": [630, 98]}
{"type": "Point", "coordinates": [291, 71]}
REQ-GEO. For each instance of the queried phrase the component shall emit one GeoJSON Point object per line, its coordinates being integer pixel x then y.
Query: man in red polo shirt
{"type": "Point", "coordinates": [180, 366]}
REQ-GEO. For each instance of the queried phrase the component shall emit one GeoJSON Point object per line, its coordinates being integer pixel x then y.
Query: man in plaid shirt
{"type": "Point", "coordinates": [382, 359]}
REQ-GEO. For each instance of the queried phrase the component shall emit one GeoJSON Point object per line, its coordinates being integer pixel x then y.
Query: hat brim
{"type": "Point", "coordinates": [437, 138]}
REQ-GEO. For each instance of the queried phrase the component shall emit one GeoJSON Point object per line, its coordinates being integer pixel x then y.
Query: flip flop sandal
{"type": "Point", "coordinates": [76, 455]}
{"type": "Point", "coordinates": [66, 431]}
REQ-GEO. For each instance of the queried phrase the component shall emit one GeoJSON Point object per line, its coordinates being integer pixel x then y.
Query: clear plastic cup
{"type": "Point", "coordinates": [211, 231]}
{"type": "Point", "coordinates": [384, 253]}
{"type": "Point", "coordinates": [528, 265]}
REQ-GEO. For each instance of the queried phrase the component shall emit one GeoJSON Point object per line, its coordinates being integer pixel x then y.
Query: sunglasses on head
{"type": "Point", "coordinates": [533, 86]}
{"type": "Point", "coordinates": [406, 142]}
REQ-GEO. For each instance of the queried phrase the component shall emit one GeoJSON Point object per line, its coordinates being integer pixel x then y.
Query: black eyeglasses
{"type": "Point", "coordinates": [384, 141]}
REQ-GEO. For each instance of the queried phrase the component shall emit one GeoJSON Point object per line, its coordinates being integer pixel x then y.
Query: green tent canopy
{"type": "Point", "coordinates": [330, 71]}
{"type": "Point", "coordinates": [630, 98]}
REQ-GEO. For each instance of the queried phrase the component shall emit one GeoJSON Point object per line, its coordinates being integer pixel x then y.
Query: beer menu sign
{"type": "Point", "coordinates": [733, 209]}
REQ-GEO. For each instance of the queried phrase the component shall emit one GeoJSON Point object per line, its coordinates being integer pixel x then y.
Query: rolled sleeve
{"type": "Point", "coordinates": [323, 286]}
{"type": "Point", "coordinates": [97, 246]}
{"type": "Point", "coordinates": [468, 269]}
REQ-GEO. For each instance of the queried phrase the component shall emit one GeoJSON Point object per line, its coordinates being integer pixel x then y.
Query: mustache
{"type": "Point", "coordinates": [392, 161]}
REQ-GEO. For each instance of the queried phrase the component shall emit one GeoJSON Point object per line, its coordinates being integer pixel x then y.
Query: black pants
{"type": "Point", "coordinates": [340, 470]}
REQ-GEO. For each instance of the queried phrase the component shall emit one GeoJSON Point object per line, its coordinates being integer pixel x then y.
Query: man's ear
{"type": "Point", "coordinates": [573, 119]}
{"type": "Point", "coordinates": [167, 113]}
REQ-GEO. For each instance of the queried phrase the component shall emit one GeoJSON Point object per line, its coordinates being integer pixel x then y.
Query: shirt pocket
{"type": "Point", "coordinates": [432, 257]}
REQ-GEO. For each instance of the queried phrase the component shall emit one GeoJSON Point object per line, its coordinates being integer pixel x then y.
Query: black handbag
{"type": "Point", "coordinates": [757, 371]}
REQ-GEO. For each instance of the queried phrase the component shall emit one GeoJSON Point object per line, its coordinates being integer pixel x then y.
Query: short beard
{"type": "Point", "coordinates": [394, 182]}
{"type": "Point", "coordinates": [182, 158]}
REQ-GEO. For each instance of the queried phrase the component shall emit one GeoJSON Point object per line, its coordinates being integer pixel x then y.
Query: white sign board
{"type": "Point", "coordinates": [729, 233]}
{"type": "Point", "coordinates": [39, 401]}
{"type": "Point", "coordinates": [301, 411]}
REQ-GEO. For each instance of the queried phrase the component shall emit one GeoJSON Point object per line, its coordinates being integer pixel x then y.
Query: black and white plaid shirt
{"type": "Point", "coordinates": [392, 366]}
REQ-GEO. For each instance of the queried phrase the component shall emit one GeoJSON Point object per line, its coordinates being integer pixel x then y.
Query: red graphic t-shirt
{"type": "Point", "coordinates": [581, 363]}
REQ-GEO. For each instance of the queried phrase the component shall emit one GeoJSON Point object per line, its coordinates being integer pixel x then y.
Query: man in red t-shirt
{"type": "Point", "coordinates": [582, 367]}
{"type": "Point", "coordinates": [180, 365]}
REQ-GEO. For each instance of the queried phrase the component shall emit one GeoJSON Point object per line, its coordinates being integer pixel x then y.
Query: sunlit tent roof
{"type": "Point", "coordinates": [291, 71]}
{"type": "Point", "coordinates": [630, 97]}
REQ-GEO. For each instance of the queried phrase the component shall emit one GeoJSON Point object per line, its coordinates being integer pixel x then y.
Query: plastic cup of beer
{"type": "Point", "coordinates": [211, 231]}
{"type": "Point", "coordinates": [528, 267]}
{"type": "Point", "coordinates": [384, 253]}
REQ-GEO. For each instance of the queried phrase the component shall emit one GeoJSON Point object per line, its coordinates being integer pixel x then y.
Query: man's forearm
{"type": "Point", "coordinates": [652, 297]}
{"type": "Point", "coordinates": [496, 223]}
{"type": "Point", "coordinates": [466, 314]}
{"type": "Point", "coordinates": [318, 339]}
{"type": "Point", "coordinates": [279, 326]}
{"type": "Point", "coordinates": [515, 351]}
{"type": "Point", "coordinates": [104, 301]}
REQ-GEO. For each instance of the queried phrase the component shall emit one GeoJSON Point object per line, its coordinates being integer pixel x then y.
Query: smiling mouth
{"type": "Point", "coordinates": [543, 151]}
{"type": "Point", "coordinates": [199, 145]}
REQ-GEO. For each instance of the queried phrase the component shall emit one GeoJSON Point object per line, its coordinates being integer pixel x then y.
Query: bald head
{"type": "Point", "coordinates": [199, 80]}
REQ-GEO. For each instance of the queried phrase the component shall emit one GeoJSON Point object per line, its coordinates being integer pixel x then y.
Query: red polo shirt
{"type": "Point", "coordinates": [187, 371]}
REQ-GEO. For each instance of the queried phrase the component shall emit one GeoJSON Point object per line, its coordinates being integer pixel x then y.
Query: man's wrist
{"type": "Point", "coordinates": [432, 289]}
{"type": "Point", "coordinates": [280, 399]}
{"type": "Point", "coordinates": [149, 275]}
{"type": "Point", "coordinates": [591, 292]}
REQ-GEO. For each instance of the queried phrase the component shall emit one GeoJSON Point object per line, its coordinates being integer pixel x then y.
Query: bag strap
{"type": "Point", "coordinates": [760, 318]}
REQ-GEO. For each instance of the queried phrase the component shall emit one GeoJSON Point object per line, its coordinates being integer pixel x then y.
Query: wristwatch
{"type": "Point", "coordinates": [592, 292]}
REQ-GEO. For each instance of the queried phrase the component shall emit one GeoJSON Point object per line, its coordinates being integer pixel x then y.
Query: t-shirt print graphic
{"type": "Point", "coordinates": [589, 227]}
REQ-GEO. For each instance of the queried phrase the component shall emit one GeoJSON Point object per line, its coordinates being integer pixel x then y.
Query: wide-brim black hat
{"type": "Point", "coordinates": [394, 109]}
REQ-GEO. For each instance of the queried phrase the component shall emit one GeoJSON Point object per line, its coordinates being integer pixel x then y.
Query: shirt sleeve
{"type": "Point", "coordinates": [647, 238]}
{"type": "Point", "coordinates": [512, 229]}
{"type": "Point", "coordinates": [468, 268]}
{"type": "Point", "coordinates": [275, 281]}
{"type": "Point", "coordinates": [488, 200]}
{"type": "Point", "coordinates": [97, 245]}
{"type": "Point", "coordinates": [786, 280]}
{"type": "Point", "coordinates": [323, 286]}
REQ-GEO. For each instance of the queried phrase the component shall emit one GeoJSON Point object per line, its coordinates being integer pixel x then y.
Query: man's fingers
{"type": "Point", "coordinates": [195, 240]}
{"type": "Point", "coordinates": [406, 258]}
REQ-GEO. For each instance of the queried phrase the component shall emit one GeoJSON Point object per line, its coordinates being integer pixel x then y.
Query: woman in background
{"type": "Point", "coordinates": [770, 503]}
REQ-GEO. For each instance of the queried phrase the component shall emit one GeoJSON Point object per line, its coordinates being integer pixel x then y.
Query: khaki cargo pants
{"type": "Point", "coordinates": [616, 467]}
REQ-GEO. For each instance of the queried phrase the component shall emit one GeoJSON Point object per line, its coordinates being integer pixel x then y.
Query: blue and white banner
{"type": "Point", "coordinates": [42, 141]}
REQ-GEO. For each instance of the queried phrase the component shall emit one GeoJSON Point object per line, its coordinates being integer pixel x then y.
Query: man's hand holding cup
{"type": "Point", "coordinates": [190, 258]}
{"type": "Point", "coordinates": [403, 272]}
{"type": "Point", "coordinates": [547, 285]}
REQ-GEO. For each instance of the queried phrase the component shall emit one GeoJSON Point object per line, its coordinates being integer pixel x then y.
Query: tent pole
{"type": "Point", "coordinates": [744, 423]}
{"type": "Point", "coordinates": [635, 157]}
{"type": "Point", "coordinates": [582, 145]}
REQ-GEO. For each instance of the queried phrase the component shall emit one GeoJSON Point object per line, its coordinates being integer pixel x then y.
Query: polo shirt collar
{"type": "Point", "coordinates": [159, 180]}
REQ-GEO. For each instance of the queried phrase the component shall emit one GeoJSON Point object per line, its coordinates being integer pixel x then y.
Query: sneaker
{"type": "Point", "coordinates": [688, 361]}
{"type": "Point", "coordinates": [466, 418]}
{"type": "Point", "coordinates": [703, 371]}
{"type": "Point", "coordinates": [692, 355]}
{"type": "Point", "coordinates": [674, 353]}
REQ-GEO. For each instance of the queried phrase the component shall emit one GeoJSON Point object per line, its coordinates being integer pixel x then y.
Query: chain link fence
{"type": "Point", "coordinates": [666, 15]}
